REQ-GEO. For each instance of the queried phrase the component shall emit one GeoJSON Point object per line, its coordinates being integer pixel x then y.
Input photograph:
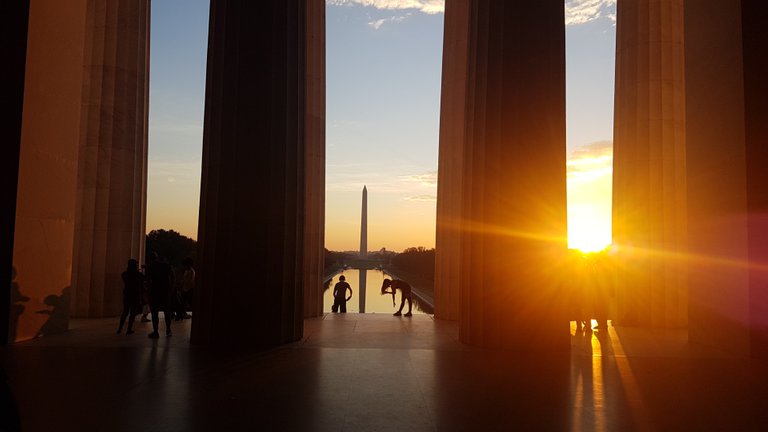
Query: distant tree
{"type": "Point", "coordinates": [333, 260]}
{"type": "Point", "coordinates": [418, 261]}
{"type": "Point", "coordinates": [171, 246]}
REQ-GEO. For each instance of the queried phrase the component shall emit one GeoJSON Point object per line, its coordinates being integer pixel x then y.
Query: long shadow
{"type": "Point", "coordinates": [17, 307]}
{"type": "Point", "coordinates": [58, 314]}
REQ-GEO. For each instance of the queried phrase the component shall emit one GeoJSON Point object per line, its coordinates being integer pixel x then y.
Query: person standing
{"type": "Point", "coordinates": [144, 295]}
{"type": "Point", "coordinates": [187, 284]}
{"type": "Point", "coordinates": [133, 285]}
{"type": "Point", "coordinates": [160, 278]}
{"type": "Point", "coordinates": [340, 298]}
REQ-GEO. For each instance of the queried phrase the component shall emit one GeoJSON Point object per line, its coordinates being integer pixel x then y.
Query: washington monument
{"type": "Point", "coordinates": [364, 225]}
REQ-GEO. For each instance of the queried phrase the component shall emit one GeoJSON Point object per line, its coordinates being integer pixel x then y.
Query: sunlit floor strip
{"type": "Point", "coordinates": [629, 383]}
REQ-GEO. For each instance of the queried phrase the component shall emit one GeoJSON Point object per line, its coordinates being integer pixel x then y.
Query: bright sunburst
{"type": "Point", "coordinates": [589, 230]}
{"type": "Point", "coordinates": [590, 170]}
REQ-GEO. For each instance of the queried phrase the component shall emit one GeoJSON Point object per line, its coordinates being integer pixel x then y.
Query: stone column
{"type": "Point", "coordinates": [514, 191]}
{"type": "Point", "coordinates": [450, 159]}
{"type": "Point", "coordinates": [727, 118]}
{"type": "Point", "coordinates": [251, 230]}
{"type": "Point", "coordinates": [15, 29]}
{"type": "Point", "coordinates": [111, 193]}
{"type": "Point", "coordinates": [47, 169]}
{"type": "Point", "coordinates": [649, 184]}
{"type": "Point", "coordinates": [314, 219]}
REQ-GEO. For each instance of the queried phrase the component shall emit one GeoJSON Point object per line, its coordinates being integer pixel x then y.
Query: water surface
{"type": "Point", "coordinates": [366, 297]}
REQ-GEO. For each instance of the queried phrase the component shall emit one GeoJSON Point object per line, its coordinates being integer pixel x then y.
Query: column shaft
{"type": "Point", "coordinates": [450, 159]}
{"type": "Point", "coordinates": [251, 231]}
{"type": "Point", "coordinates": [314, 219]}
{"type": "Point", "coordinates": [727, 118]}
{"type": "Point", "coordinates": [514, 193]}
{"type": "Point", "coordinates": [649, 192]}
{"type": "Point", "coordinates": [47, 176]}
{"type": "Point", "coordinates": [113, 148]}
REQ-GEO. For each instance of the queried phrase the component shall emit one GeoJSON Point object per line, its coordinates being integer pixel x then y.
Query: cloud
{"type": "Point", "coordinates": [376, 24]}
{"type": "Point", "coordinates": [425, 6]}
{"type": "Point", "coordinates": [428, 178]}
{"type": "Point", "coordinates": [351, 177]}
{"type": "Point", "coordinates": [590, 162]}
{"type": "Point", "coordinates": [584, 11]}
{"type": "Point", "coordinates": [428, 198]}
{"type": "Point", "coordinates": [175, 172]}
{"type": "Point", "coordinates": [576, 11]}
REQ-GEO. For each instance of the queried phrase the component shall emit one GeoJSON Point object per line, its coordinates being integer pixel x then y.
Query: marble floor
{"type": "Point", "coordinates": [380, 373]}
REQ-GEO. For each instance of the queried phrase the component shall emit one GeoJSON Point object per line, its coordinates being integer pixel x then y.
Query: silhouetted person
{"type": "Point", "coordinates": [340, 298]}
{"type": "Point", "coordinates": [602, 290]}
{"type": "Point", "coordinates": [577, 266]}
{"type": "Point", "coordinates": [185, 288]}
{"type": "Point", "coordinates": [160, 278]}
{"type": "Point", "coordinates": [145, 296]}
{"type": "Point", "coordinates": [405, 294]}
{"type": "Point", "coordinates": [133, 287]}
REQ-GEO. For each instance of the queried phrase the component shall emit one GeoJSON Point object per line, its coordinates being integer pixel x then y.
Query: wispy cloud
{"type": "Point", "coordinates": [426, 6]}
{"type": "Point", "coordinates": [590, 162]}
{"type": "Point", "coordinates": [428, 198]}
{"type": "Point", "coordinates": [352, 178]}
{"type": "Point", "coordinates": [584, 11]}
{"type": "Point", "coordinates": [576, 11]}
{"type": "Point", "coordinates": [376, 24]}
{"type": "Point", "coordinates": [174, 172]}
{"type": "Point", "coordinates": [428, 178]}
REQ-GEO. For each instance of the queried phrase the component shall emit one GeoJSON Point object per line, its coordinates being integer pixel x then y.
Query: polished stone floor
{"type": "Point", "coordinates": [381, 373]}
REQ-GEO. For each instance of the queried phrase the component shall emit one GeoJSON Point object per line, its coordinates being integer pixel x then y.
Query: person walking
{"type": "Point", "coordinates": [133, 285]}
{"type": "Point", "coordinates": [339, 295]}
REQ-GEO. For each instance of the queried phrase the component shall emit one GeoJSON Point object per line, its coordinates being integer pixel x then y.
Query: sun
{"type": "Point", "coordinates": [589, 230]}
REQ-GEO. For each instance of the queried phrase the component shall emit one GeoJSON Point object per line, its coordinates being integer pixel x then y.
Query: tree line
{"type": "Point", "coordinates": [173, 247]}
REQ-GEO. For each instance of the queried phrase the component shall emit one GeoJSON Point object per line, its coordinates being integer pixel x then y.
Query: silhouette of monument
{"type": "Point", "coordinates": [364, 225]}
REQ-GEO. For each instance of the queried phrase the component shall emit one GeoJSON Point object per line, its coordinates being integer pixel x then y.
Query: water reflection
{"type": "Point", "coordinates": [363, 276]}
{"type": "Point", "coordinates": [361, 302]}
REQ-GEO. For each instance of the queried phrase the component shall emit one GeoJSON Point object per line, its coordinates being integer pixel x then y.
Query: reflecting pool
{"type": "Point", "coordinates": [366, 293]}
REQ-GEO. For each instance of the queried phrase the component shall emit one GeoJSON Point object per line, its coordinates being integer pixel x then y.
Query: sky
{"type": "Point", "coordinates": [383, 60]}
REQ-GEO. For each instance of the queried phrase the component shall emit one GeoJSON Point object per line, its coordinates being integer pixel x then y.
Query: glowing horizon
{"type": "Point", "coordinates": [377, 58]}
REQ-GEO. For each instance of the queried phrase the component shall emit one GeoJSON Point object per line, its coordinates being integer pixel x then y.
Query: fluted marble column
{"type": "Point", "coordinates": [314, 219]}
{"type": "Point", "coordinates": [252, 207]}
{"type": "Point", "coordinates": [111, 195]}
{"type": "Point", "coordinates": [649, 186]}
{"type": "Point", "coordinates": [450, 159]}
{"type": "Point", "coordinates": [727, 118]}
{"type": "Point", "coordinates": [514, 192]}
{"type": "Point", "coordinates": [47, 169]}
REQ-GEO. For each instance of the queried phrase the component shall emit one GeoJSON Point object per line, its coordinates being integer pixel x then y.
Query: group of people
{"type": "Point", "coordinates": [390, 286]}
{"type": "Point", "coordinates": [155, 290]}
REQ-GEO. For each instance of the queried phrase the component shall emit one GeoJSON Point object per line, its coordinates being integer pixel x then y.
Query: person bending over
{"type": "Point", "coordinates": [391, 287]}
